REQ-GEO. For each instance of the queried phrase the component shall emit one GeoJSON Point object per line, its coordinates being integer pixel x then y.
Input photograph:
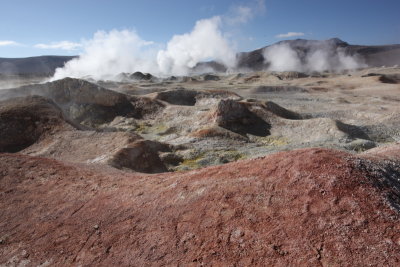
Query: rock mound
{"type": "Point", "coordinates": [121, 150]}
{"type": "Point", "coordinates": [211, 77]}
{"type": "Point", "coordinates": [384, 78]}
{"type": "Point", "coordinates": [145, 107]}
{"type": "Point", "coordinates": [236, 117]}
{"type": "Point", "coordinates": [318, 131]}
{"type": "Point", "coordinates": [252, 78]}
{"type": "Point", "coordinates": [393, 79]}
{"type": "Point", "coordinates": [388, 152]}
{"type": "Point", "coordinates": [216, 131]}
{"type": "Point", "coordinates": [141, 76]}
{"type": "Point", "coordinates": [23, 121]}
{"type": "Point", "coordinates": [141, 156]}
{"type": "Point", "coordinates": [300, 208]}
{"type": "Point", "coordinates": [82, 101]}
{"type": "Point", "coordinates": [281, 111]}
{"type": "Point", "coordinates": [290, 75]}
{"type": "Point", "coordinates": [210, 66]}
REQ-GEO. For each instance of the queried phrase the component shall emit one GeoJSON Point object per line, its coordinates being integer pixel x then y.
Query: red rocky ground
{"type": "Point", "coordinates": [310, 207]}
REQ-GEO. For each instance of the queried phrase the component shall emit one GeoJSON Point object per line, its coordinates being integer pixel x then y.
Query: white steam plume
{"type": "Point", "coordinates": [110, 53]}
{"type": "Point", "coordinates": [321, 56]}
{"type": "Point", "coordinates": [282, 58]}
{"type": "Point", "coordinates": [206, 41]}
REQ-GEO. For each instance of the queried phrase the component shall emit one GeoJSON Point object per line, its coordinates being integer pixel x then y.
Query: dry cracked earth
{"type": "Point", "coordinates": [245, 169]}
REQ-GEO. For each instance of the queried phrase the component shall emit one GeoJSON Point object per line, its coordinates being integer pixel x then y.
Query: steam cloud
{"type": "Point", "coordinates": [322, 56]}
{"type": "Point", "coordinates": [110, 53]}
{"type": "Point", "coordinates": [204, 42]}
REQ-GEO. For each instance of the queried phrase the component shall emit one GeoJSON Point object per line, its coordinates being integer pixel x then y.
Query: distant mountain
{"type": "Point", "coordinates": [373, 56]}
{"type": "Point", "coordinates": [42, 65]}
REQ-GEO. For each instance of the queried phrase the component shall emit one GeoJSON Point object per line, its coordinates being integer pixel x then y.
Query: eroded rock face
{"type": "Point", "coordinates": [23, 121]}
{"type": "Point", "coordinates": [141, 156]}
{"type": "Point", "coordinates": [301, 208]}
{"type": "Point", "coordinates": [145, 107]}
{"type": "Point", "coordinates": [82, 101]}
{"type": "Point", "coordinates": [236, 117]}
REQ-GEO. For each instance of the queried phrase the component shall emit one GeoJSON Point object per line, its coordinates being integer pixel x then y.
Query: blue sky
{"type": "Point", "coordinates": [31, 28]}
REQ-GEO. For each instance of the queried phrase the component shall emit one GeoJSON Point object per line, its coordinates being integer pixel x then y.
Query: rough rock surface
{"type": "Point", "coordinates": [307, 207]}
{"type": "Point", "coordinates": [82, 101]}
{"type": "Point", "coordinates": [35, 125]}
{"type": "Point", "coordinates": [141, 76]}
{"type": "Point", "coordinates": [23, 121]}
{"type": "Point", "coordinates": [121, 150]}
{"type": "Point", "coordinates": [235, 116]}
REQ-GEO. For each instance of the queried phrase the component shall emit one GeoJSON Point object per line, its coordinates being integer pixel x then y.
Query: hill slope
{"type": "Point", "coordinates": [42, 65]}
{"type": "Point", "coordinates": [301, 208]}
{"type": "Point", "coordinates": [373, 56]}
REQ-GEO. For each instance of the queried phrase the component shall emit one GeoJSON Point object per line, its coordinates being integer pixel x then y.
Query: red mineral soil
{"type": "Point", "coordinates": [309, 207]}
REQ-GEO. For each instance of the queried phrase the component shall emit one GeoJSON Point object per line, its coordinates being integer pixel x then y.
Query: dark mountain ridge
{"type": "Point", "coordinates": [41, 65]}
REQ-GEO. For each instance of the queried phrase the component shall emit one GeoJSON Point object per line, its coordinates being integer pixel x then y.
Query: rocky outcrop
{"type": "Point", "coordinates": [210, 77]}
{"type": "Point", "coordinates": [23, 121]}
{"type": "Point", "coordinates": [139, 76]}
{"type": "Point", "coordinates": [236, 117]}
{"type": "Point", "coordinates": [82, 101]}
{"type": "Point", "coordinates": [87, 103]}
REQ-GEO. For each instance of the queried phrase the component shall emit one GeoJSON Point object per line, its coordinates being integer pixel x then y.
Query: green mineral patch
{"type": "Point", "coordinates": [191, 163]}
{"type": "Point", "coordinates": [209, 158]}
{"type": "Point", "coordinates": [160, 129]}
{"type": "Point", "coordinates": [143, 127]}
{"type": "Point", "coordinates": [232, 155]}
{"type": "Point", "coordinates": [273, 140]}
{"type": "Point", "coordinates": [156, 129]}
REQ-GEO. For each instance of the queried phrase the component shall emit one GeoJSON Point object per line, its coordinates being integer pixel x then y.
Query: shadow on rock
{"type": "Point", "coordinates": [236, 117]}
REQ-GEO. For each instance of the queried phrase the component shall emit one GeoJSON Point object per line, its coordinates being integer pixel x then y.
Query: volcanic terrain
{"type": "Point", "coordinates": [252, 168]}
